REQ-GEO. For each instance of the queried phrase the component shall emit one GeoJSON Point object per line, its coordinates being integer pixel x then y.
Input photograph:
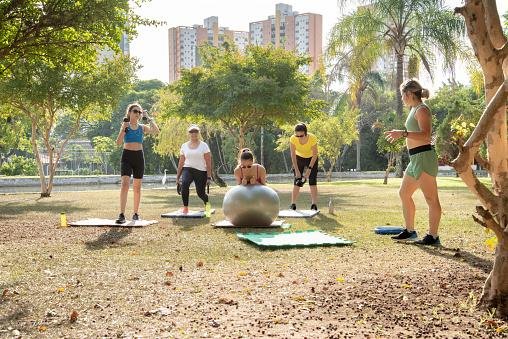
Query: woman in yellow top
{"type": "Point", "coordinates": [304, 157]}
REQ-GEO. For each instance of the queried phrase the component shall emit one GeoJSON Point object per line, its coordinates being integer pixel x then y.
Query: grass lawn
{"type": "Point", "coordinates": [185, 279]}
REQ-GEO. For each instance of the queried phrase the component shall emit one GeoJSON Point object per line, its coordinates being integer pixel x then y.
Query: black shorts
{"type": "Point", "coordinates": [305, 162]}
{"type": "Point", "coordinates": [133, 162]}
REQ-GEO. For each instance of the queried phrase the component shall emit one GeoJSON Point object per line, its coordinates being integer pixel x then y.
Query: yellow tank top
{"type": "Point", "coordinates": [305, 150]}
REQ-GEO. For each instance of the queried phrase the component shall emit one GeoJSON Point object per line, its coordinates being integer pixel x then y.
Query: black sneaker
{"type": "Point", "coordinates": [121, 219]}
{"type": "Point", "coordinates": [313, 207]}
{"type": "Point", "coordinates": [429, 240]}
{"type": "Point", "coordinates": [135, 216]}
{"type": "Point", "coordinates": [292, 207]}
{"type": "Point", "coordinates": [405, 235]}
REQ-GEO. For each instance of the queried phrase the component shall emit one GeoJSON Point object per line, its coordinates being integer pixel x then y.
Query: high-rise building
{"type": "Point", "coordinates": [184, 42]}
{"type": "Point", "coordinates": [108, 53]}
{"type": "Point", "coordinates": [301, 33]}
{"type": "Point", "coordinates": [297, 32]}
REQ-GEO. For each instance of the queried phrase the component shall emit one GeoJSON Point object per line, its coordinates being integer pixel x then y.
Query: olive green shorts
{"type": "Point", "coordinates": [422, 162]}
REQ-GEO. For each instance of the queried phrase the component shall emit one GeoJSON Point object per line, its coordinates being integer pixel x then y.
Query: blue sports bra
{"type": "Point", "coordinates": [134, 135]}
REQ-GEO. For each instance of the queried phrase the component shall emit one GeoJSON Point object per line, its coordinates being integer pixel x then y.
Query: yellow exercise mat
{"type": "Point", "coordinates": [97, 222]}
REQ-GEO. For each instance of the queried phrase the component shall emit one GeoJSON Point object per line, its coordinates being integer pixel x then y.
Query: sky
{"type": "Point", "coordinates": [151, 44]}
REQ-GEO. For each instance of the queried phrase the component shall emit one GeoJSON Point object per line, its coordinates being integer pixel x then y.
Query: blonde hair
{"type": "Point", "coordinates": [413, 86]}
{"type": "Point", "coordinates": [130, 107]}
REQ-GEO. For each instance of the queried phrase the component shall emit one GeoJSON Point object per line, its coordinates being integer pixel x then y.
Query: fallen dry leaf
{"type": "Point", "coordinates": [74, 316]}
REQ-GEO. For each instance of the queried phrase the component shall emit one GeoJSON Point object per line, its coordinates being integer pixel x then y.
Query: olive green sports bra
{"type": "Point", "coordinates": [411, 122]}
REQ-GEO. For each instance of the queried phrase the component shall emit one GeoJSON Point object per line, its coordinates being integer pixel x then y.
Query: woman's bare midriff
{"type": "Point", "coordinates": [415, 143]}
{"type": "Point", "coordinates": [133, 146]}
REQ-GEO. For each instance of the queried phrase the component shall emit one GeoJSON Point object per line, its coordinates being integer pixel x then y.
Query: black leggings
{"type": "Point", "coordinates": [189, 175]}
{"type": "Point", "coordinates": [302, 163]}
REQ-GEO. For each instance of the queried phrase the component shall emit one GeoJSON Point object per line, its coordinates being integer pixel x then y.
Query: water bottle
{"type": "Point", "coordinates": [63, 220]}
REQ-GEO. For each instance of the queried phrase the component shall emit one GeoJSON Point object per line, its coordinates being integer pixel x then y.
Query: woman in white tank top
{"type": "Point", "coordinates": [195, 165]}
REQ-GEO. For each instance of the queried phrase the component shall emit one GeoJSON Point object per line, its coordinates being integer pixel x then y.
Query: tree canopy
{"type": "Point", "coordinates": [262, 87]}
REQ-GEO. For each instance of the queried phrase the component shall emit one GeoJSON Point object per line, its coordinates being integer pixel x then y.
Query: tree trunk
{"type": "Point", "coordinates": [285, 162]}
{"type": "Point", "coordinates": [261, 151]}
{"type": "Point", "coordinates": [358, 153]}
{"type": "Point", "coordinates": [495, 289]}
{"type": "Point", "coordinates": [241, 138]}
{"type": "Point", "coordinates": [398, 81]}
{"type": "Point", "coordinates": [400, 109]}
{"type": "Point", "coordinates": [40, 165]}
{"type": "Point", "coordinates": [329, 174]}
{"type": "Point", "coordinates": [391, 157]}
{"type": "Point", "coordinates": [491, 49]}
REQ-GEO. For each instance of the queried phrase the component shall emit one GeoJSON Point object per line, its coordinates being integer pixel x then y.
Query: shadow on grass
{"type": "Point", "coordinates": [188, 224]}
{"type": "Point", "coordinates": [109, 238]}
{"type": "Point", "coordinates": [324, 222]}
{"type": "Point", "coordinates": [19, 207]}
{"type": "Point", "coordinates": [458, 255]}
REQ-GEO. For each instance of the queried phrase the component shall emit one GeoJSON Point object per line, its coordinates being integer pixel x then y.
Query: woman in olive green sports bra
{"type": "Point", "coordinates": [422, 169]}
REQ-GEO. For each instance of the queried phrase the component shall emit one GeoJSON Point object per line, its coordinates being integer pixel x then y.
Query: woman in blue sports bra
{"type": "Point", "coordinates": [422, 169]}
{"type": "Point", "coordinates": [133, 161]}
{"type": "Point", "coordinates": [248, 172]}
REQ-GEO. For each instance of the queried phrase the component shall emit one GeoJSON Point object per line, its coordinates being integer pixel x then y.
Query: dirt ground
{"type": "Point", "coordinates": [185, 279]}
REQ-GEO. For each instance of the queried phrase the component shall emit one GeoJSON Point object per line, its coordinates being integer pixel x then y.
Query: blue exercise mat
{"type": "Point", "coordinates": [294, 239]}
{"type": "Point", "coordinates": [388, 230]}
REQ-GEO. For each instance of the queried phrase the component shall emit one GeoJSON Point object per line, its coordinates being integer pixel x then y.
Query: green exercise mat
{"type": "Point", "coordinates": [294, 239]}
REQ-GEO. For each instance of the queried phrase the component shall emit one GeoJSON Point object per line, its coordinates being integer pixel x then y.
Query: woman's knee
{"type": "Point", "coordinates": [404, 194]}
{"type": "Point", "coordinates": [433, 200]}
{"type": "Point", "coordinates": [125, 182]}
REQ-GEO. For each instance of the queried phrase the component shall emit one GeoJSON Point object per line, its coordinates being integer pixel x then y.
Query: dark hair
{"type": "Point", "coordinates": [245, 154]}
{"type": "Point", "coordinates": [301, 127]}
{"type": "Point", "coordinates": [414, 86]}
{"type": "Point", "coordinates": [131, 107]}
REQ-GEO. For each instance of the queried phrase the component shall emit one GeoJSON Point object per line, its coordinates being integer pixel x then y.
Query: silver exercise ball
{"type": "Point", "coordinates": [251, 205]}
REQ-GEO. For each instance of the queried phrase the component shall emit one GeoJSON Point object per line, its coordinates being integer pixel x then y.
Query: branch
{"type": "Point", "coordinates": [489, 222]}
{"type": "Point", "coordinates": [462, 165]}
{"type": "Point", "coordinates": [474, 18]}
{"type": "Point", "coordinates": [487, 118]}
{"type": "Point", "coordinates": [483, 162]}
{"type": "Point", "coordinates": [493, 24]}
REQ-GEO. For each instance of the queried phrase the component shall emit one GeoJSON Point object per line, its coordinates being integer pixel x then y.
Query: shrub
{"type": "Point", "coordinates": [19, 165]}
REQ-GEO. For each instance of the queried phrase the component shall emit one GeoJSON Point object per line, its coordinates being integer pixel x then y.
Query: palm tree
{"type": "Point", "coordinates": [353, 57]}
{"type": "Point", "coordinates": [408, 28]}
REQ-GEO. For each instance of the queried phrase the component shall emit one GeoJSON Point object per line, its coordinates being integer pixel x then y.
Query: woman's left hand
{"type": "Point", "coordinates": [393, 135]}
{"type": "Point", "coordinates": [306, 175]}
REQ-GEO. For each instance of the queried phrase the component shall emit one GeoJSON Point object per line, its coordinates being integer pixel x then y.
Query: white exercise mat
{"type": "Point", "coordinates": [190, 214]}
{"type": "Point", "coordinates": [227, 223]}
{"type": "Point", "coordinates": [297, 213]}
{"type": "Point", "coordinates": [97, 222]}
